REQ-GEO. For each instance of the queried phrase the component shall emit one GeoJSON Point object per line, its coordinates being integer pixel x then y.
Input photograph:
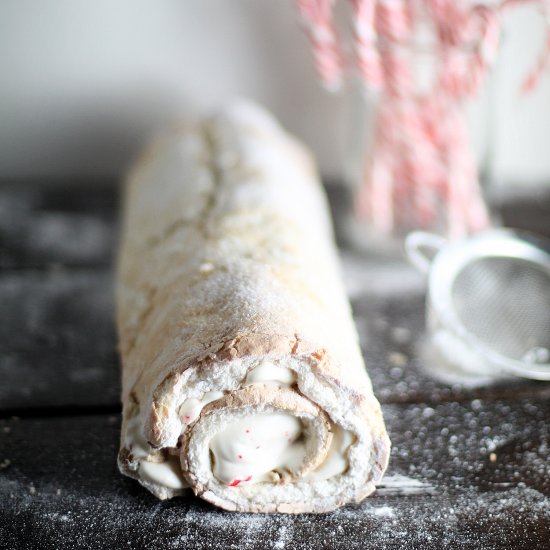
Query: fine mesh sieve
{"type": "Point", "coordinates": [488, 303]}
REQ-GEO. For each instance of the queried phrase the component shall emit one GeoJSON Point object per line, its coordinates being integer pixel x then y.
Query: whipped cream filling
{"type": "Point", "coordinates": [271, 374]}
{"type": "Point", "coordinates": [336, 461]}
{"type": "Point", "coordinates": [268, 446]}
{"type": "Point", "coordinates": [168, 473]}
{"type": "Point", "coordinates": [261, 447]}
{"type": "Point", "coordinates": [191, 408]}
{"type": "Point", "coordinates": [265, 447]}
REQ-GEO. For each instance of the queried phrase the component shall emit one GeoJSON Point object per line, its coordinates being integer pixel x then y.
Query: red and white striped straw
{"type": "Point", "coordinates": [421, 171]}
{"type": "Point", "coordinates": [318, 19]}
{"type": "Point", "coordinates": [367, 56]}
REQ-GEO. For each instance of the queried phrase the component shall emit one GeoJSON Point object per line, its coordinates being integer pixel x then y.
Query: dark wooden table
{"type": "Point", "coordinates": [469, 468]}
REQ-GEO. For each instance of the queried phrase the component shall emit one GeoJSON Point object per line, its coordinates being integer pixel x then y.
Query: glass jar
{"type": "Point", "coordinates": [410, 162]}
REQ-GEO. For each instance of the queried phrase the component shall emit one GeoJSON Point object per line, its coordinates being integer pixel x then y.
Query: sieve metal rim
{"type": "Point", "coordinates": [450, 259]}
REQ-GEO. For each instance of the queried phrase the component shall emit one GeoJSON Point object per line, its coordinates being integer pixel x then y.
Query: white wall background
{"type": "Point", "coordinates": [84, 82]}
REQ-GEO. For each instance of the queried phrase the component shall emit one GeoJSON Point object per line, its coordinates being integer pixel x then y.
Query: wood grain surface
{"type": "Point", "coordinates": [470, 467]}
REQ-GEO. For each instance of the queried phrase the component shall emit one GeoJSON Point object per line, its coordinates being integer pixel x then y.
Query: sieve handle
{"type": "Point", "coordinates": [422, 247]}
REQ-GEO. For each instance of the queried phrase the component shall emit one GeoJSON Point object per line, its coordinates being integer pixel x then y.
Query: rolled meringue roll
{"type": "Point", "coordinates": [242, 373]}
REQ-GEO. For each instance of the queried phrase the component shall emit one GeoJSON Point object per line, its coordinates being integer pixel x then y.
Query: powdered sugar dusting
{"type": "Point", "coordinates": [419, 522]}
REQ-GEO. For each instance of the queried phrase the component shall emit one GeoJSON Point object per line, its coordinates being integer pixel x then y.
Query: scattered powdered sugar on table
{"type": "Point", "coordinates": [468, 518]}
{"type": "Point", "coordinates": [398, 484]}
{"type": "Point", "coordinates": [68, 237]}
{"type": "Point", "coordinates": [382, 512]}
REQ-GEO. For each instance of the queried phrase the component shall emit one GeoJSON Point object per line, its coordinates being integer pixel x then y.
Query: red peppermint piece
{"type": "Point", "coordinates": [236, 482]}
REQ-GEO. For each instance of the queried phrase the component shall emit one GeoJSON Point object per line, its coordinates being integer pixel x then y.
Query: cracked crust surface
{"type": "Point", "coordinates": [227, 254]}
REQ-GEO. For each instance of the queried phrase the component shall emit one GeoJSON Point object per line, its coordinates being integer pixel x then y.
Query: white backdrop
{"type": "Point", "coordinates": [84, 82]}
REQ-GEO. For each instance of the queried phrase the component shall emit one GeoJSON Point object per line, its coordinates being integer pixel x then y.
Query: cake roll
{"type": "Point", "coordinates": [242, 375]}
